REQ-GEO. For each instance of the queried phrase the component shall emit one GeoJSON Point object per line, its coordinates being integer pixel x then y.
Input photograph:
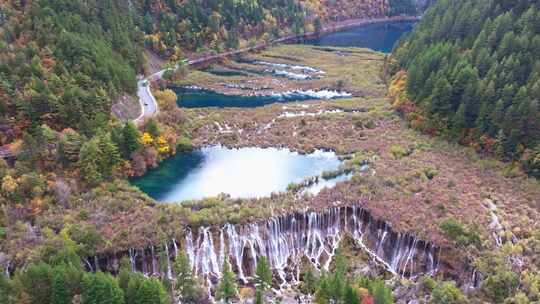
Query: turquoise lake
{"type": "Point", "coordinates": [255, 172]}
{"type": "Point", "coordinates": [241, 173]}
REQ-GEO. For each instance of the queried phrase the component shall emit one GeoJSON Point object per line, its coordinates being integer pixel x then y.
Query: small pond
{"type": "Point", "coordinates": [241, 173]}
{"type": "Point", "coordinates": [379, 37]}
{"type": "Point", "coordinates": [198, 98]}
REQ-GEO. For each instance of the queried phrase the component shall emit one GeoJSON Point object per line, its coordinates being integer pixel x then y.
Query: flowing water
{"type": "Point", "coordinates": [285, 241]}
{"type": "Point", "coordinates": [255, 172]}
{"type": "Point", "coordinates": [241, 173]}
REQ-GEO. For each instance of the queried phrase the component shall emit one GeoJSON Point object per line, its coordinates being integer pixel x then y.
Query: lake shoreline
{"type": "Point", "coordinates": [197, 61]}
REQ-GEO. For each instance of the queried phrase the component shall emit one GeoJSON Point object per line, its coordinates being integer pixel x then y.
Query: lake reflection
{"type": "Point", "coordinates": [241, 173]}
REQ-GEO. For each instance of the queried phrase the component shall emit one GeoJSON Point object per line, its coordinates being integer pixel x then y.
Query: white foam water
{"type": "Point", "coordinates": [321, 94]}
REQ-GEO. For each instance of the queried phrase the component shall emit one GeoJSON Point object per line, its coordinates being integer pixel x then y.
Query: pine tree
{"type": "Point", "coordinates": [100, 288]}
{"type": "Point", "coordinates": [459, 122]}
{"type": "Point", "coordinates": [226, 289]}
{"type": "Point", "coordinates": [135, 282]}
{"type": "Point", "coordinates": [263, 274]}
{"type": "Point", "coordinates": [70, 145]}
{"type": "Point", "coordinates": [500, 141]}
{"type": "Point", "coordinates": [351, 296]}
{"type": "Point", "coordinates": [381, 293]}
{"type": "Point", "coordinates": [309, 282]}
{"type": "Point", "coordinates": [263, 279]}
{"type": "Point", "coordinates": [124, 275]}
{"type": "Point", "coordinates": [109, 155]}
{"type": "Point", "coordinates": [186, 283]}
{"type": "Point", "coordinates": [60, 292]}
{"type": "Point", "coordinates": [89, 158]}
{"type": "Point", "coordinates": [324, 292]}
{"type": "Point", "coordinates": [441, 99]}
{"type": "Point", "coordinates": [5, 289]}
{"type": "Point", "coordinates": [130, 136]}
{"type": "Point", "coordinates": [151, 291]}
{"type": "Point", "coordinates": [37, 281]}
{"type": "Point", "coordinates": [259, 298]}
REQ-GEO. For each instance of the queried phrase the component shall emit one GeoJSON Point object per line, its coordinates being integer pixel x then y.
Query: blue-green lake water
{"type": "Point", "coordinates": [379, 37]}
{"type": "Point", "coordinates": [200, 98]}
{"type": "Point", "coordinates": [255, 172]}
{"type": "Point", "coordinates": [241, 173]}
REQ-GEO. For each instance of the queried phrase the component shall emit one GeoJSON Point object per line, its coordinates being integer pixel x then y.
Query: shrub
{"type": "Point", "coordinates": [429, 283]}
{"type": "Point", "coordinates": [447, 293]}
{"type": "Point", "coordinates": [500, 285]}
{"type": "Point", "coordinates": [462, 234]}
{"type": "Point", "coordinates": [399, 152]}
{"type": "Point", "coordinates": [430, 173]}
{"type": "Point", "coordinates": [184, 144]}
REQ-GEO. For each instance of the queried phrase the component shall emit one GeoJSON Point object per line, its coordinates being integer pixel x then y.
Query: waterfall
{"type": "Point", "coordinates": [6, 269]}
{"type": "Point", "coordinates": [155, 269]}
{"type": "Point", "coordinates": [88, 265]}
{"type": "Point", "coordinates": [285, 240]}
{"type": "Point", "coordinates": [169, 268]}
{"type": "Point", "coordinates": [96, 263]}
{"type": "Point", "coordinates": [175, 248]}
{"type": "Point", "coordinates": [144, 266]}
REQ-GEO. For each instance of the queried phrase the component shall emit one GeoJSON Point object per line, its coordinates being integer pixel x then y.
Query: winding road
{"type": "Point", "coordinates": [149, 106]}
{"type": "Point", "coordinates": [147, 101]}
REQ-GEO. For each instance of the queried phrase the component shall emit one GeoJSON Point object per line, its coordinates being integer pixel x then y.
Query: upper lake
{"type": "Point", "coordinates": [256, 172]}
{"type": "Point", "coordinates": [379, 36]}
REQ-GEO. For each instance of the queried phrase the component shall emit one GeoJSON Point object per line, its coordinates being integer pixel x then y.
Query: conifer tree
{"type": "Point", "coordinates": [60, 292]}
{"type": "Point", "coordinates": [89, 158]}
{"type": "Point", "coordinates": [226, 289]}
{"type": "Point", "coordinates": [37, 281]}
{"type": "Point", "coordinates": [309, 282]}
{"type": "Point", "coordinates": [70, 145]}
{"type": "Point", "coordinates": [151, 291]}
{"type": "Point", "coordinates": [135, 282]}
{"type": "Point", "coordinates": [263, 274]}
{"type": "Point", "coordinates": [259, 298]}
{"type": "Point", "coordinates": [109, 155]}
{"type": "Point", "coordinates": [381, 293]}
{"type": "Point", "coordinates": [5, 289]}
{"type": "Point", "coordinates": [124, 276]}
{"type": "Point", "coordinates": [351, 296]}
{"type": "Point", "coordinates": [186, 283]}
{"type": "Point", "coordinates": [101, 288]}
{"type": "Point", "coordinates": [130, 136]}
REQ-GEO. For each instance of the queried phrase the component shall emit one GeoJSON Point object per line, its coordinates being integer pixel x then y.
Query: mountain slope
{"type": "Point", "coordinates": [474, 76]}
{"type": "Point", "coordinates": [63, 62]}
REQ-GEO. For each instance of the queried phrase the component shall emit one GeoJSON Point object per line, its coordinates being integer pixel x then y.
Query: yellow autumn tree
{"type": "Point", "coordinates": [9, 184]}
{"type": "Point", "coordinates": [146, 139]}
{"type": "Point", "coordinates": [166, 99]}
{"type": "Point", "coordinates": [162, 145]}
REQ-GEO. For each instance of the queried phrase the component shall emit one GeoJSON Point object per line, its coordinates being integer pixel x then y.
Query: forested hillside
{"type": "Point", "coordinates": [171, 25]}
{"type": "Point", "coordinates": [196, 25]}
{"type": "Point", "coordinates": [473, 74]}
{"type": "Point", "coordinates": [62, 62]}
{"type": "Point", "coordinates": [408, 7]}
